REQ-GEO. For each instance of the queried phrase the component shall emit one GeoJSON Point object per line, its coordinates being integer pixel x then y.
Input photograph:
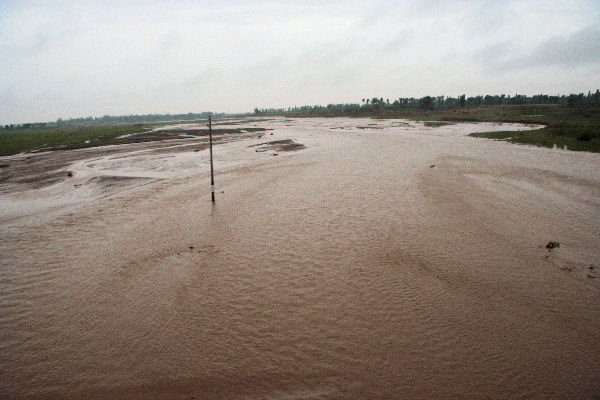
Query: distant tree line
{"type": "Point", "coordinates": [116, 119]}
{"type": "Point", "coordinates": [431, 102]}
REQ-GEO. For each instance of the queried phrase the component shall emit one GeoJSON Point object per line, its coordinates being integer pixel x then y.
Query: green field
{"type": "Point", "coordinates": [17, 140]}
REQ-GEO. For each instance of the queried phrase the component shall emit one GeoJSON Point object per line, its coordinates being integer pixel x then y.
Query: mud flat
{"type": "Point", "coordinates": [399, 261]}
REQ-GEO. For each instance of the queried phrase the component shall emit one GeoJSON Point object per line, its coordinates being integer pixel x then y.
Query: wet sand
{"type": "Point", "coordinates": [385, 259]}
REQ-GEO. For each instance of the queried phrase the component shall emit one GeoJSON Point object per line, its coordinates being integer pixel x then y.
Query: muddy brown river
{"type": "Point", "coordinates": [385, 259]}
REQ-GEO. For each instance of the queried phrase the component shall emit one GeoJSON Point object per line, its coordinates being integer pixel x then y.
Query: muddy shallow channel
{"type": "Point", "coordinates": [343, 259]}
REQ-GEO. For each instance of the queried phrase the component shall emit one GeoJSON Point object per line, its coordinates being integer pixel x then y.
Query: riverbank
{"type": "Point", "coordinates": [574, 127]}
{"type": "Point", "coordinates": [68, 137]}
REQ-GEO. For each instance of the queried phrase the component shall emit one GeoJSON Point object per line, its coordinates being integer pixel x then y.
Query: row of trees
{"type": "Point", "coordinates": [135, 118]}
{"type": "Point", "coordinates": [116, 119]}
{"type": "Point", "coordinates": [487, 100]}
{"type": "Point", "coordinates": [430, 102]}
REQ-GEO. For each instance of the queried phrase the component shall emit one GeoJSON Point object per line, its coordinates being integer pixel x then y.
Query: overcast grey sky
{"type": "Point", "coordinates": [90, 58]}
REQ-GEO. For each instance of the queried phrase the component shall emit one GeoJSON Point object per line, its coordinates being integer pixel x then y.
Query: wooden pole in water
{"type": "Point", "coordinates": [212, 177]}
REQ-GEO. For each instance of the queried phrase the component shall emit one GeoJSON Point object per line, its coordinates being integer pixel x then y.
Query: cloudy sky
{"type": "Point", "coordinates": [91, 58]}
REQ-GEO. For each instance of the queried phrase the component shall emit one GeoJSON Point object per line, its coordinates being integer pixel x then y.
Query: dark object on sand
{"type": "Point", "coordinates": [191, 247]}
{"type": "Point", "coordinates": [552, 245]}
{"type": "Point", "coordinates": [69, 174]}
{"type": "Point", "coordinates": [278, 145]}
{"type": "Point", "coordinates": [435, 124]}
{"type": "Point", "coordinates": [432, 166]}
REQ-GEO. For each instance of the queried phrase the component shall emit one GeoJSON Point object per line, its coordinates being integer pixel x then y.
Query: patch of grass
{"type": "Point", "coordinates": [16, 140]}
{"type": "Point", "coordinates": [256, 129]}
{"type": "Point", "coordinates": [546, 137]}
{"type": "Point", "coordinates": [501, 135]}
{"type": "Point", "coordinates": [13, 141]}
{"type": "Point", "coordinates": [240, 122]}
{"type": "Point", "coordinates": [187, 121]}
{"type": "Point", "coordinates": [202, 132]}
{"type": "Point", "coordinates": [575, 127]}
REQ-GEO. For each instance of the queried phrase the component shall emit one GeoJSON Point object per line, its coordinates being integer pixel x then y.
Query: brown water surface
{"type": "Point", "coordinates": [385, 259]}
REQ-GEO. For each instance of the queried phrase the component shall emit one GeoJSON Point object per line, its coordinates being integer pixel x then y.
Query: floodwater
{"type": "Point", "coordinates": [386, 259]}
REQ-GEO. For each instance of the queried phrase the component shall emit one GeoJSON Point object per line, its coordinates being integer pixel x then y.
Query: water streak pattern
{"type": "Point", "coordinates": [386, 259]}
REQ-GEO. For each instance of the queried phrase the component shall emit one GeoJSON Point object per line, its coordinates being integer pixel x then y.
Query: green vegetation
{"type": "Point", "coordinates": [239, 122]}
{"type": "Point", "coordinates": [437, 102]}
{"type": "Point", "coordinates": [255, 129]}
{"type": "Point", "coordinates": [16, 140]}
{"type": "Point", "coordinates": [573, 127]}
{"type": "Point", "coordinates": [191, 121]}
{"type": "Point", "coordinates": [131, 119]}
{"type": "Point", "coordinates": [570, 121]}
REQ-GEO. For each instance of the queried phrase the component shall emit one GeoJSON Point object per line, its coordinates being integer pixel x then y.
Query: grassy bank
{"type": "Point", "coordinates": [17, 140]}
{"type": "Point", "coordinates": [576, 127]}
